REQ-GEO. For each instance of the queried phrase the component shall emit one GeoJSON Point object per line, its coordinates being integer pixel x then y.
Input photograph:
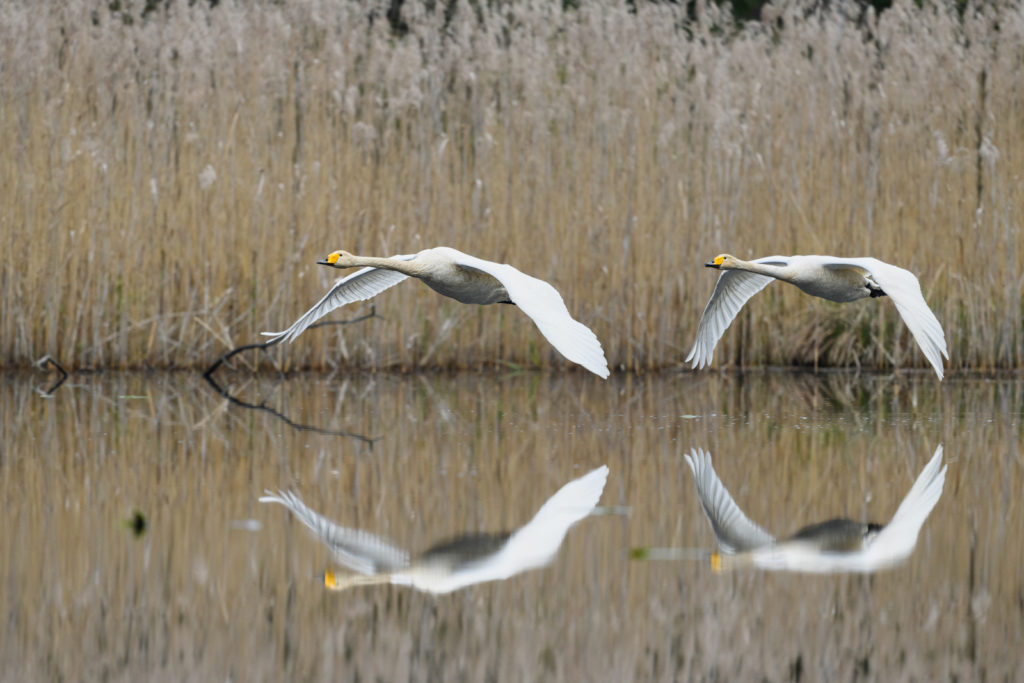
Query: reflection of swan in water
{"type": "Point", "coordinates": [838, 545]}
{"type": "Point", "coordinates": [460, 562]}
{"type": "Point", "coordinates": [467, 279]}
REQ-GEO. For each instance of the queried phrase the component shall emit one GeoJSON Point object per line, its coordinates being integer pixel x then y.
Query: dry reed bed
{"type": "Point", "coordinates": [197, 598]}
{"type": "Point", "coordinates": [167, 185]}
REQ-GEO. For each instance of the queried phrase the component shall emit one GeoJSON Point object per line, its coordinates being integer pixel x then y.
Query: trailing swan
{"type": "Point", "coordinates": [828, 277]}
{"type": "Point", "coordinates": [464, 278]}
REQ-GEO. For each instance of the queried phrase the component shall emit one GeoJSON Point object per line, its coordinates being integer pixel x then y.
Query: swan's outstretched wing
{"type": "Point", "coordinates": [536, 543]}
{"type": "Point", "coordinates": [544, 305]}
{"type": "Point", "coordinates": [733, 530]}
{"type": "Point", "coordinates": [896, 540]}
{"type": "Point", "coordinates": [733, 289]}
{"type": "Point", "coordinates": [905, 291]}
{"type": "Point", "coordinates": [358, 550]}
{"type": "Point", "coordinates": [361, 285]}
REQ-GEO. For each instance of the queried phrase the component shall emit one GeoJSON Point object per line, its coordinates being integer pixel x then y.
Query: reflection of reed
{"type": "Point", "coordinates": [463, 561]}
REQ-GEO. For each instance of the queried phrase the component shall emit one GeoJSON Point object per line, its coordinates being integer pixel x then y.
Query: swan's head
{"type": "Point", "coordinates": [333, 582]}
{"type": "Point", "coordinates": [336, 259]}
{"type": "Point", "coordinates": [722, 261]}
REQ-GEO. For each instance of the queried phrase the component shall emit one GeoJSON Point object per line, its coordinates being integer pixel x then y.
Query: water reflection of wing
{"type": "Point", "coordinates": [897, 539]}
{"type": "Point", "coordinates": [530, 547]}
{"type": "Point", "coordinates": [358, 550]}
{"type": "Point", "coordinates": [733, 530]}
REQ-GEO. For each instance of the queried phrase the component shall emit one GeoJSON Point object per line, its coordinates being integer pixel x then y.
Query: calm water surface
{"type": "Point", "coordinates": [218, 586]}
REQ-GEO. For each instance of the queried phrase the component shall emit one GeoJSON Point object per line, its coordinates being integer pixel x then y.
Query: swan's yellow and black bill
{"type": "Point", "coordinates": [331, 259]}
{"type": "Point", "coordinates": [716, 263]}
{"type": "Point", "coordinates": [330, 580]}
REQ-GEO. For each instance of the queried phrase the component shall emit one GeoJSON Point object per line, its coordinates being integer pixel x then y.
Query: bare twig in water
{"type": "Point", "coordinates": [281, 416]}
{"type": "Point", "coordinates": [54, 363]}
{"type": "Point", "coordinates": [267, 344]}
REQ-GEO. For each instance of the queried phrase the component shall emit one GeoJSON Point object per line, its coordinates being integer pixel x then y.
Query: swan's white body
{"type": "Point", "coordinates": [464, 278]}
{"type": "Point", "coordinates": [828, 277]}
{"type": "Point", "coordinates": [455, 564]}
{"type": "Point", "coordinates": [838, 545]}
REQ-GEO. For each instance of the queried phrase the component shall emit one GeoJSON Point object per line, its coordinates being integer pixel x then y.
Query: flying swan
{"type": "Point", "coordinates": [459, 562]}
{"type": "Point", "coordinates": [464, 278]}
{"type": "Point", "coordinates": [838, 545]}
{"type": "Point", "coordinates": [828, 277]}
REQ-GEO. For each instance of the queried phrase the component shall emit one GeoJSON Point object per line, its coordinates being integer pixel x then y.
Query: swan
{"type": "Point", "coordinates": [459, 562]}
{"type": "Point", "coordinates": [466, 279]}
{"type": "Point", "coordinates": [836, 279]}
{"type": "Point", "coordinates": [837, 545]}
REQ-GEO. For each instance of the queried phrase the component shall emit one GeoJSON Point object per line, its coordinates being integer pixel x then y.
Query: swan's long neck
{"type": "Point", "coordinates": [722, 562]}
{"type": "Point", "coordinates": [771, 270]}
{"type": "Point", "coordinates": [340, 583]}
{"type": "Point", "coordinates": [410, 268]}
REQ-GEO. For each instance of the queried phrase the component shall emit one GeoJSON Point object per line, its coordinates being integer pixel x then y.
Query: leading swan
{"type": "Point", "coordinates": [464, 278]}
{"type": "Point", "coordinates": [828, 277]}
{"type": "Point", "coordinates": [837, 545]}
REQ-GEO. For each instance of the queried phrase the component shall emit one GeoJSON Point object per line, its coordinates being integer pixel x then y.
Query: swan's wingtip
{"type": "Point", "coordinates": [275, 337]}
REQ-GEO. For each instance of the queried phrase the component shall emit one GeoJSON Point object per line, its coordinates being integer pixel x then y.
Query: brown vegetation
{"type": "Point", "coordinates": [167, 185]}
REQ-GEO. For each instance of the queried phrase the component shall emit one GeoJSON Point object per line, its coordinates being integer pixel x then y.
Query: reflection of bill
{"type": "Point", "coordinates": [457, 563]}
{"type": "Point", "coordinates": [838, 545]}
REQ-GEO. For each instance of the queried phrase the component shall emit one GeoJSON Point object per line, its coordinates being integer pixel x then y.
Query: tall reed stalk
{"type": "Point", "coordinates": [167, 185]}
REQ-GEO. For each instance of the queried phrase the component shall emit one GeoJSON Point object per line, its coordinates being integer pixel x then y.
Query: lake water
{"type": "Point", "coordinates": [217, 586]}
